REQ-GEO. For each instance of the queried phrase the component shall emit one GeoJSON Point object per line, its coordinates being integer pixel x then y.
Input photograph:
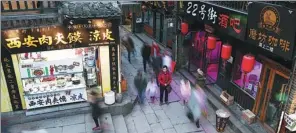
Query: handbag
{"type": "Point", "coordinates": [169, 88]}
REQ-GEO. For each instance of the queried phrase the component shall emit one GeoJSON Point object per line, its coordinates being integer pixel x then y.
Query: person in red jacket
{"type": "Point", "coordinates": [164, 79]}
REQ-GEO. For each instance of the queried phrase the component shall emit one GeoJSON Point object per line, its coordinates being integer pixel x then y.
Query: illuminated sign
{"type": "Point", "coordinates": [81, 33]}
{"type": "Point", "coordinates": [268, 29]}
{"type": "Point", "coordinates": [227, 21]}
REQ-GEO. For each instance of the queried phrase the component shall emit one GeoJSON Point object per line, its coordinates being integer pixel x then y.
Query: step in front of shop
{"type": "Point", "coordinates": [25, 116]}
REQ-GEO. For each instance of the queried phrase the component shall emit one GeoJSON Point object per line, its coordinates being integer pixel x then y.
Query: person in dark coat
{"type": "Point", "coordinates": [128, 42]}
{"type": "Point", "coordinates": [146, 51]}
{"type": "Point", "coordinates": [157, 65]}
{"type": "Point", "coordinates": [140, 82]}
{"type": "Point", "coordinates": [95, 109]}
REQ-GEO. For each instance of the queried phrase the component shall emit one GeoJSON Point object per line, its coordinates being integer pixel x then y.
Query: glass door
{"type": "Point", "coordinates": [274, 98]}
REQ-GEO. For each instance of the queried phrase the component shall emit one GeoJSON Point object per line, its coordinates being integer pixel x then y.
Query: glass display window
{"type": "Point", "coordinates": [251, 83]}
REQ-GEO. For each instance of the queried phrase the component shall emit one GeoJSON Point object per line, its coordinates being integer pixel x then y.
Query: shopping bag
{"type": "Point", "coordinates": [169, 88]}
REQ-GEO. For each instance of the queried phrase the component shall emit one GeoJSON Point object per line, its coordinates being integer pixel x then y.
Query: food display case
{"type": "Point", "coordinates": [53, 82]}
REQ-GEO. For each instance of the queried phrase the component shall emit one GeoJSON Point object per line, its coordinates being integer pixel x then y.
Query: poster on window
{"type": "Point", "coordinates": [55, 98]}
{"type": "Point", "coordinates": [227, 21]}
{"type": "Point", "coordinates": [272, 28]}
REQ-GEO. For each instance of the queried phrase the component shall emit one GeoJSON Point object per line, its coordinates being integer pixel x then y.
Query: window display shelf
{"type": "Point", "coordinates": [60, 74]}
{"type": "Point", "coordinates": [73, 87]}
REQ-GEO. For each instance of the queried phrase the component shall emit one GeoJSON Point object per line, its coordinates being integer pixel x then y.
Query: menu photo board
{"type": "Point", "coordinates": [227, 21]}
{"type": "Point", "coordinates": [272, 28]}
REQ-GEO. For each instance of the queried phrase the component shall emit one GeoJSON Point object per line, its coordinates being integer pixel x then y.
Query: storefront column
{"type": "Point", "coordinates": [154, 24]}
{"type": "Point", "coordinates": [182, 52]}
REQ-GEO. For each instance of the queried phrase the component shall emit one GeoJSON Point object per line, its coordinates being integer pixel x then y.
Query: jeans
{"type": "Point", "coordinates": [96, 120]}
{"type": "Point", "coordinates": [141, 96]}
{"type": "Point", "coordinates": [166, 94]}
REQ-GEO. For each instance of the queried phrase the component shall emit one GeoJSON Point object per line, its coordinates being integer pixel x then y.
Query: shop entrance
{"type": "Point", "coordinates": [271, 98]}
{"type": "Point", "coordinates": [200, 57]}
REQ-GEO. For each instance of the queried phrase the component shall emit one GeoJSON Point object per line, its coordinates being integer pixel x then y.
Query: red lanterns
{"type": "Point", "coordinates": [226, 51]}
{"type": "Point", "coordinates": [184, 28]}
{"type": "Point", "coordinates": [211, 44]}
{"type": "Point", "coordinates": [248, 63]}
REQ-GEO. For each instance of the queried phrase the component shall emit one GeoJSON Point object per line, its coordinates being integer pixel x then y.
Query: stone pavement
{"type": "Point", "coordinates": [163, 119]}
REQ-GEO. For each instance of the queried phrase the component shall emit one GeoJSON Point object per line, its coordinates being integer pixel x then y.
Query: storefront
{"type": "Point", "coordinates": [159, 21]}
{"type": "Point", "coordinates": [131, 18]}
{"type": "Point", "coordinates": [56, 65]}
{"type": "Point", "coordinates": [261, 89]}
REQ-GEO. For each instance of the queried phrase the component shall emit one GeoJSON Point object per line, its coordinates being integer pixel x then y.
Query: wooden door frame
{"type": "Point", "coordinates": [275, 68]}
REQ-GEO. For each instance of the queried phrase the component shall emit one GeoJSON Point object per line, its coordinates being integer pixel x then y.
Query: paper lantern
{"type": "Point", "coordinates": [248, 63]}
{"type": "Point", "coordinates": [184, 28]}
{"type": "Point", "coordinates": [211, 44]}
{"type": "Point", "coordinates": [226, 51]}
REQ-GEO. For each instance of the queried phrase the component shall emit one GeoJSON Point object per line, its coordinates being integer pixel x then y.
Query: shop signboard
{"type": "Point", "coordinates": [113, 55]}
{"type": "Point", "coordinates": [227, 21]}
{"type": "Point", "coordinates": [79, 34]}
{"type": "Point", "coordinates": [166, 5]}
{"type": "Point", "coordinates": [55, 98]}
{"type": "Point", "coordinates": [50, 68]}
{"type": "Point", "coordinates": [272, 28]}
{"type": "Point", "coordinates": [12, 86]}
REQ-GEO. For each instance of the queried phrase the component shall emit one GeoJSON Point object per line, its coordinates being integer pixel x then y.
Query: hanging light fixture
{"type": "Point", "coordinates": [225, 53]}
{"type": "Point", "coordinates": [184, 28]}
{"type": "Point", "coordinates": [211, 43]}
{"type": "Point", "coordinates": [248, 64]}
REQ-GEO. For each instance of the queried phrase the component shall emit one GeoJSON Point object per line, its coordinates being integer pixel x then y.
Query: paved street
{"type": "Point", "coordinates": [147, 118]}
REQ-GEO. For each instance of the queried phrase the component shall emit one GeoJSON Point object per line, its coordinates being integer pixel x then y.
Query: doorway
{"type": "Point", "coordinates": [272, 97]}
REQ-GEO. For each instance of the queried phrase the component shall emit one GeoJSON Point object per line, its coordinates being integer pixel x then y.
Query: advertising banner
{"type": "Point", "coordinates": [272, 28]}
{"type": "Point", "coordinates": [227, 21]}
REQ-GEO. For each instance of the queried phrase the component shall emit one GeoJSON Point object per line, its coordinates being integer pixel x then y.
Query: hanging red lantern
{"type": "Point", "coordinates": [211, 44]}
{"type": "Point", "coordinates": [226, 51]}
{"type": "Point", "coordinates": [184, 28]}
{"type": "Point", "coordinates": [248, 63]}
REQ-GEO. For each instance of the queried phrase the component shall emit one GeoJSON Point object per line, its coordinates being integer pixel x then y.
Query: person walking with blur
{"type": "Point", "coordinates": [94, 104]}
{"type": "Point", "coordinates": [164, 79]}
{"type": "Point", "coordinates": [167, 61]}
{"type": "Point", "coordinates": [151, 89]}
{"type": "Point", "coordinates": [185, 88]}
{"type": "Point", "coordinates": [128, 42]}
{"type": "Point", "coordinates": [146, 51]}
{"type": "Point", "coordinates": [140, 83]}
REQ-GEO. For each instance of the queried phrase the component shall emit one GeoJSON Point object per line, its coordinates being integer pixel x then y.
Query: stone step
{"type": "Point", "coordinates": [119, 124]}
{"type": "Point", "coordinates": [107, 123]}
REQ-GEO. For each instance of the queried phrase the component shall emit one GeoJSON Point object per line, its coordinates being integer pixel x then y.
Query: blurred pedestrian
{"type": "Point", "coordinates": [157, 66]}
{"type": "Point", "coordinates": [96, 111]}
{"type": "Point", "coordinates": [164, 79]}
{"type": "Point", "coordinates": [185, 90]}
{"type": "Point", "coordinates": [140, 83]}
{"type": "Point", "coordinates": [167, 61]}
{"type": "Point", "coordinates": [155, 50]}
{"type": "Point", "coordinates": [151, 89]}
{"type": "Point", "coordinates": [146, 51]}
{"type": "Point", "coordinates": [201, 79]}
{"type": "Point", "coordinates": [128, 42]}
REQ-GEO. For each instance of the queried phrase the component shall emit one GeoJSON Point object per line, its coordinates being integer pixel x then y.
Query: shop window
{"type": "Point", "coordinates": [252, 79]}
{"type": "Point", "coordinates": [146, 17]}
{"type": "Point", "coordinates": [150, 18]}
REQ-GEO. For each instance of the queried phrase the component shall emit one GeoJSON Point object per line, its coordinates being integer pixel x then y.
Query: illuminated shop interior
{"type": "Point", "coordinates": [56, 73]}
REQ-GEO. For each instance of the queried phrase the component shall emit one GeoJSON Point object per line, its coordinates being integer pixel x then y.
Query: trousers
{"type": "Point", "coordinates": [166, 94]}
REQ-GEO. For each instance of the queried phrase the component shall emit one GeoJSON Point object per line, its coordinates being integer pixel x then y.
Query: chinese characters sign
{"type": "Point", "coordinates": [272, 28]}
{"type": "Point", "coordinates": [55, 98]}
{"type": "Point", "coordinates": [113, 51]}
{"type": "Point", "coordinates": [10, 78]}
{"type": "Point", "coordinates": [75, 34]}
{"type": "Point", "coordinates": [227, 21]}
